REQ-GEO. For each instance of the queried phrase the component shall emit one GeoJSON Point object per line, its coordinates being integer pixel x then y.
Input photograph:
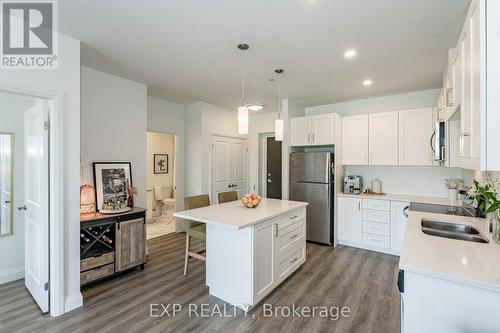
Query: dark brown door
{"type": "Point", "coordinates": [273, 168]}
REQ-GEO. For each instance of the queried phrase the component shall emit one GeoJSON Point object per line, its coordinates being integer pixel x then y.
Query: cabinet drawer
{"type": "Point", "coordinates": [376, 240]}
{"type": "Point", "coordinates": [376, 228]}
{"type": "Point", "coordinates": [377, 216]}
{"type": "Point", "coordinates": [291, 235]}
{"type": "Point", "coordinates": [97, 273]}
{"type": "Point", "coordinates": [292, 217]}
{"type": "Point", "coordinates": [384, 205]}
{"type": "Point", "coordinates": [89, 263]}
{"type": "Point", "coordinates": [292, 261]}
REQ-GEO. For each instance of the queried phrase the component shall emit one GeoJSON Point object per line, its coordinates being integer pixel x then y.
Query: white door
{"type": "Point", "coordinates": [398, 224]}
{"type": "Point", "coordinates": [228, 166]}
{"type": "Point", "coordinates": [415, 131]}
{"type": "Point", "coordinates": [36, 157]}
{"type": "Point", "coordinates": [355, 140]}
{"type": "Point", "coordinates": [323, 129]}
{"type": "Point", "coordinates": [264, 263]}
{"type": "Point", "coordinates": [5, 185]}
{"type": "Point", "coordinates": [383, 138]}
{"type": "Point", "coordinates": [350, 219]}
{"type": "Point", "coordinates": [300, 129]}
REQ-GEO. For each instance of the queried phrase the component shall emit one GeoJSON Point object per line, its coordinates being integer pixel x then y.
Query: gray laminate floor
{"type": "Point", "coordinates": [362, 280]}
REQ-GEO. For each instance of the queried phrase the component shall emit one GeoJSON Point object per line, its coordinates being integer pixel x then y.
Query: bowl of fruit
{"type": "Point", "coordinates": [251, 200]}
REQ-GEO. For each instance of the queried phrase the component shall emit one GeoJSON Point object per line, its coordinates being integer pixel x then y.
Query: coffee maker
{"type": "Point", "coordinates": [353, 184]}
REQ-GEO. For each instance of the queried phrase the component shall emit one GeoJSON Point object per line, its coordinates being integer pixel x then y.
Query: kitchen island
{"type": "Point", "coordinates": [250, 251]}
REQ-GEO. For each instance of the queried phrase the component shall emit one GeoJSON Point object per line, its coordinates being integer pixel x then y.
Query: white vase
{"type": "Point", "coordinates": [452, 194]}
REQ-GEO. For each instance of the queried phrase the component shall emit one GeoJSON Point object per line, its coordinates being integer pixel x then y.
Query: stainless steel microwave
{"type": "Point", "coordinates": [438, 141]}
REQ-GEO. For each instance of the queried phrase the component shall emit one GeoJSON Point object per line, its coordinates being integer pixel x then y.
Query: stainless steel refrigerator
{"type": "Point", "coordinates": [312, 181]}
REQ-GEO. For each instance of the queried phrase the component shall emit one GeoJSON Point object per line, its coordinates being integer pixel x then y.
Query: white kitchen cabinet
{"type": "Point", "coordinates": [399, 216]}
{"type": "Point", "coordinates": [300, 129]}
{"type": "Point", "coordinates": [265, 264]}
{"type": "Point", "coordinates": [314, 130]}
{"type": "Point", "coordinates": [383, 138]}
{"type": "Point", "coordinates": [415, 131]}
{"type": "Point", "coordinates": [355, 140]}
{"type": "Point", "coordinates": [350, 220]}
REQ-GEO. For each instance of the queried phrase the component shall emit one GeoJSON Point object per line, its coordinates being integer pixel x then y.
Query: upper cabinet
{"type": "Point", "coordinates": [383, 138]}
{"type": "Point", "coordinates": [415, 131]}
{"type": "Point", "coordinates": [355, 140]}
{"type": "Point", "coordinates": [315, 130]}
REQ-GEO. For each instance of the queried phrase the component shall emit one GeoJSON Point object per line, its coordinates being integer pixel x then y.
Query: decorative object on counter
{"type": "Point", "coordinates": [487, 197]}
{"type": "Point", "coordinates": [251, 200]}
{"type": "Point", "coordinates": [160, 164]}
{"type": "Point", "coordinates": [376, 186]}
{"type": "Point", "coordinates": [87, 199]}
{"type": "Point", "coordinates": [111, 180]}
{"type": "Point", "coordinates": [131, 190]}
{"type": "Point", "coordinates": [368, 191]}
{"type": "Point", "coordinates": [453, 185]}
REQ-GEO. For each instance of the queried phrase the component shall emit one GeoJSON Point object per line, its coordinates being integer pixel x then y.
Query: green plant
{"type": "Point", "coordinates": [487, 196]}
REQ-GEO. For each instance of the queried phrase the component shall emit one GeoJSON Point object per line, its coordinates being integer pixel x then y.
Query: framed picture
{"type": "Point", "coordinates": [160, 164]}
{"type": "Point", "coordinates": [111, 180]}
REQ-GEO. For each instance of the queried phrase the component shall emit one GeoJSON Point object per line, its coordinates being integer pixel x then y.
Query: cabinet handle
{"type": "Point", "coordinates": [313, 137]}
{"type": "Point", "coordinates": [359, 206]}
{"type": "Point", "coordinates": [308, 137]}
{"type": "Point", "coordinates": [405, 211]}
{"type": "Point", "coordinates": [276, 232]}
{"type": "Point", "coordinates": [295, 235]}
{"type": "Point", "coordinates": [293, 217]}
{"type": "Point", "coordinates": [294, 260]}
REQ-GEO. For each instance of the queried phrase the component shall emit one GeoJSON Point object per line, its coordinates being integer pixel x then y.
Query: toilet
{"type": "Point", "coordinates": [164, 195]}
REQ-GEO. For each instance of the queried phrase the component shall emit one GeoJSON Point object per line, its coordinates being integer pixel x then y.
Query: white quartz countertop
{"type": "Point", "coordinates": [476, 264]}
{"type": "Point", "coordinates": [406, 198]}
{"type": "Point", "coordinates": [234, 214]}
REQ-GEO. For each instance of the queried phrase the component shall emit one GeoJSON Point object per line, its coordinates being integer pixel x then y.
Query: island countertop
{"type": "Point", "coordinates": [234, 214]}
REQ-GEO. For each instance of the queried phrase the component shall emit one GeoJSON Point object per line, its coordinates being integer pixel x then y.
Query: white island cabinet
{"type": "Point", "coordinates": [250, 251]}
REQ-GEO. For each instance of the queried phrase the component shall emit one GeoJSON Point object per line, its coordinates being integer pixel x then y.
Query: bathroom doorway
{"type": "Point", "coordinates": [161, 155]}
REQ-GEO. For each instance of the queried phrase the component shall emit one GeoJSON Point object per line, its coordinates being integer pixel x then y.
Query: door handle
{"type": "Point", "coordinates": [405, 211]}
{"type": "Point", "coordinates": [269, 181]}
{"type": "Point", "coordinates": [7, 201]}
{"type": "Point", "coordinates": [21, 208]}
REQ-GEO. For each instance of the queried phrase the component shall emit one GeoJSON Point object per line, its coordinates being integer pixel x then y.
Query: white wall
{"type": "Point", "coordinates": [64, 81]}
{"type": "Point", "coordinates": [12, 265]}
{"type": "Point", "coordinates": [260, 123]}
{"type": "Point", "coordinates": [418, 180]}
{"type": "Point", "coordinates": [203, 120]}
{"type": "Point", "coordinates": [413, 100]}
{"type": "Point", "coordinates": [114, 125]}
{"type": "Point", "coordinates": [168, 117]}
{"type": "Point", "coordinates": [159, 143]}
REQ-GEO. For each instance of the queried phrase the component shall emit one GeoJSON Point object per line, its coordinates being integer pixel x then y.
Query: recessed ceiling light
{"type": "Point", "coordinates": [350, 53]}
{"type": "Point", "coordinates": [254, 106]}
{"type": "Point", "coordinates": [367, 82]}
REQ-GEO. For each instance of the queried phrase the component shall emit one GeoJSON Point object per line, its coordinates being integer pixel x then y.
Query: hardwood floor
{"type": "Point", "coordinates": [362, 280]}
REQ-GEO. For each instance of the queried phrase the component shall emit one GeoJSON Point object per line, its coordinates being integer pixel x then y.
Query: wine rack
{"type": "Point", "coordinates": [97, 240]}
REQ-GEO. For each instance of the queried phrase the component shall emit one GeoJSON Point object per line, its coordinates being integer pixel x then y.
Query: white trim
{"type": "Point", "coordinates": [56, 220]}
{"type": "Point", "coordinates": [12, 274]}
{"type": "Point", "coordinates": [74, 301]}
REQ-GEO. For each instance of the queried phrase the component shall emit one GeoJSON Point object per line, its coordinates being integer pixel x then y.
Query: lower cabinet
{"type": "Point", "coordinates": [130, 244]}
{"type": "Point", "coordinates": [265, 267]}
{"type": "Point", "coordinates": [374, 224]}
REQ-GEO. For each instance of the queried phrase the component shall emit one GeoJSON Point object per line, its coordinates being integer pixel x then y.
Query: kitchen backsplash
{"type": "Point", "coordinates": [409, 180]}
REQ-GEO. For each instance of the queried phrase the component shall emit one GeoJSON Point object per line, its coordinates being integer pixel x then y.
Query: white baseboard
{"type": "Point", "coordinates": [12, 274]}
{"type": "Point", "coordinates": [73, 301]}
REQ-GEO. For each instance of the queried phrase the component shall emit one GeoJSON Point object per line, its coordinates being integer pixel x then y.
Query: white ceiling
{"type": "Point", "coordinates": [185, 50]}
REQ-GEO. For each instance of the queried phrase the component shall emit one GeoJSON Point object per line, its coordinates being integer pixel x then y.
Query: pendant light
{"type": "Point", "coordinates": [278, 123]}
{"type": "Point", "coordinates": [243, 109]}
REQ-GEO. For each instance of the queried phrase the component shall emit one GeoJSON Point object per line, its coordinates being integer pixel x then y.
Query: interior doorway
{"type": "Point", "coordinates": [161, 183]}
{"type": "Point", "coordinates": [270, 167]}
{"type": "Point", "coordinates": [25, 194]}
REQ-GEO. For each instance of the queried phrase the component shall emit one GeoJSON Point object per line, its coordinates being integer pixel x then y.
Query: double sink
{"type": "Point", "coordinates": [452, 230]}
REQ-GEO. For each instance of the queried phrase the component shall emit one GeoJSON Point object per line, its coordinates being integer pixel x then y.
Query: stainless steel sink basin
{"type": "Point", "coordinates": [446, 226]}
{"type": "Point", "coordinates": [452, 230]}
